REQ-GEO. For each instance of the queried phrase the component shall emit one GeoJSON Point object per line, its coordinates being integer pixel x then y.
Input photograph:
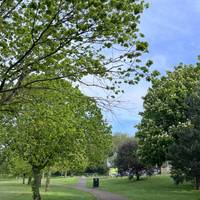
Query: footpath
{"type": "Point", "coordinates": [99, 194]}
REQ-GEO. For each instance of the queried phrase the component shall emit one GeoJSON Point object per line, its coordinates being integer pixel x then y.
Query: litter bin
{"type": "Point", "coordinates": [95, 182]}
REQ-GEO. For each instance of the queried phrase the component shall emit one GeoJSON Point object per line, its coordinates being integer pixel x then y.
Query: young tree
{"type": "Point", "coordinates": [20, 168]}
{"type": "Point", "coordinates": [70, 39]}
{"type": "Point", "coordinates": [56, 125]}
{"type": "Point", "coordinates": [127, 159]}
{"type": "Point", "coordinates": [165, 107]}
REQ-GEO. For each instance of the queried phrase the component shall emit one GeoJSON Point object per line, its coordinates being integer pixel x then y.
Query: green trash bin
{"type": "Point", "coordinates": [95, 182]}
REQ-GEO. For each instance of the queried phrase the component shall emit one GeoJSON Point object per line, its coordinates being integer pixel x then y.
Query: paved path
{"type": "Point", "coordinates": [99, 194]}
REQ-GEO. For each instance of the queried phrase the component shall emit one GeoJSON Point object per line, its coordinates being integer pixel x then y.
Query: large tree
{"type": "Point", "coordinates": [61, 124]}
{"type": "Point", "coordinates": [70, 39]}
{"type": "Point", "coordinates": [127, 159]}
{"type": "Point", "coordinates": [184, 153]}
{"type": "Point", "coordinates": [165, 107]}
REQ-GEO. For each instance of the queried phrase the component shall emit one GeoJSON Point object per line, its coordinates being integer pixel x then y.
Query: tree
{"type": "Point", "coordinates": [61, 124]}
{"type": "Point", "coordinates": [18, 167]}
{"type": "Point", "coordinates": [69, 39]}
{"type": "Point", "coordinates": [127, 159]}
{"type": "Point", "coordinates": [12, 164]}
{"type": "Point", "coordinates": [165, 107]}
{"type": "Point", "coordinates": [117, 140]}
{"type": "Point", "coordinates": [184, 153]}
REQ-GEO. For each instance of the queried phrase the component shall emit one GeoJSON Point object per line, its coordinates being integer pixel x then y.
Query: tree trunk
{"type": "Point", "coordinates": [159, 169]}
{"type": "Point", "coordinates": [65, 174]}
{"type": "Point", "coordinates": [36, 183]}
{"type": "Point", "coordinates": [24, 178]}
{"type": "Point", "coordinates": [137, 176]}
{"type": "Point", "coordinates": [29, 180]}
{"type": "Point", "coordinates": [40, 179]}
{"type": "Point", "coordinates": [197, 182]}
{"type": "Point", "coordinates": [47, 181]}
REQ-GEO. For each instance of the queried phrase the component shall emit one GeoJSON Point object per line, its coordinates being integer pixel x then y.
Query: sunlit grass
{"type": "Point", "coordinates": [13, 189]}
{"type": "Point", "coordinates": [154, 188]}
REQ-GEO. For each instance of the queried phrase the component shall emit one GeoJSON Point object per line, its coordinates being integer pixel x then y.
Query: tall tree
{"type": "Point", "coordinates": [165, 107]}
{"type": "Point", "coordinates": [60, 124]}
{"type": "Point", "coordinates": [184, 153]}
{"type": "Point", "coordinates": [70, 39]}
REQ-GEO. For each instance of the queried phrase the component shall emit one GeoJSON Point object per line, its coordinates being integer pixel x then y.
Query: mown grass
{"type": "Point", "coordinates": [13, 189]}
{"type": "Point", "coordinates": [154, 188]}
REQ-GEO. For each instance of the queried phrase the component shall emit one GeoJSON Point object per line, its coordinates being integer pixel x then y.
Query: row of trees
{"type": "Point", "coordinates": [169, 130]}
{"type": "Point", "coordinates": [57, 127]}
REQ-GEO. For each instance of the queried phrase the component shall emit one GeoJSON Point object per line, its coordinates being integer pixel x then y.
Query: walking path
{"type": "Point", "coordinates": [99, 194]}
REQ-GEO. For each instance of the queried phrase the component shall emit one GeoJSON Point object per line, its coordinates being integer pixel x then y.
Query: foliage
{"type": "Point", "coordinates": [18, 167]}
{"type": "Point", "coordinates": [153, 143]}
{"type": "Point", "coordinates": [184, 153]}
{"type": "Point", "coordinates": [70, 39]}
{"type": "Point", "coordinates": [165, 107]}
{"type": "Point", "coordinates": [101, 170]}
{"type": "Point", "coordinates": [117, 140]}
{"type": "Point", "coordinates": [127, 159]}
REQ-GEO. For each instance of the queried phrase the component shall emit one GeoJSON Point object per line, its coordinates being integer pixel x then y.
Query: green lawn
{"type": "Point", "coordinates": [154, 188]}
{"type": "Point", "coordinates": [12, 189]}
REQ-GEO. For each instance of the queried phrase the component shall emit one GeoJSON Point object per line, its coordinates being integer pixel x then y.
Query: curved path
{"type": "Point", "coordinates": [99, 194]}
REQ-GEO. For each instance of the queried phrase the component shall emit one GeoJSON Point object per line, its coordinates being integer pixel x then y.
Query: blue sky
{"type": "Point", "coordinates": [172, 29]}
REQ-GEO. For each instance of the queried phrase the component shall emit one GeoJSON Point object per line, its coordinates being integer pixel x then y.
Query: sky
{"type": "Point", "coordinates": [172, 29]}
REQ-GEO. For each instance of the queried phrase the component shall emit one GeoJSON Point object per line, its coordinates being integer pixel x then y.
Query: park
{"type": "Point", "coordinates": [99, 100]}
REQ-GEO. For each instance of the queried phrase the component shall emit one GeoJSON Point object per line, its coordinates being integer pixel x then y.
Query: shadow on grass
{"type": "Point", "coordinates": [15, 190]}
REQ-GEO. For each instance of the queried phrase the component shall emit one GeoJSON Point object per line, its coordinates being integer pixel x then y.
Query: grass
{"type": "Point", "coordinates": [13, 189]}
{"type": "Point", "coordinates": [154, 188]}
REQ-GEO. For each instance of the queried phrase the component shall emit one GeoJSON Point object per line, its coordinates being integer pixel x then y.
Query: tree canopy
{"type": "Point", "coordinates": [127, 159]}
{"type": "Point", "coordinates": [184, 153]}
{"type": "Point", "coordinates": [70, 39]}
